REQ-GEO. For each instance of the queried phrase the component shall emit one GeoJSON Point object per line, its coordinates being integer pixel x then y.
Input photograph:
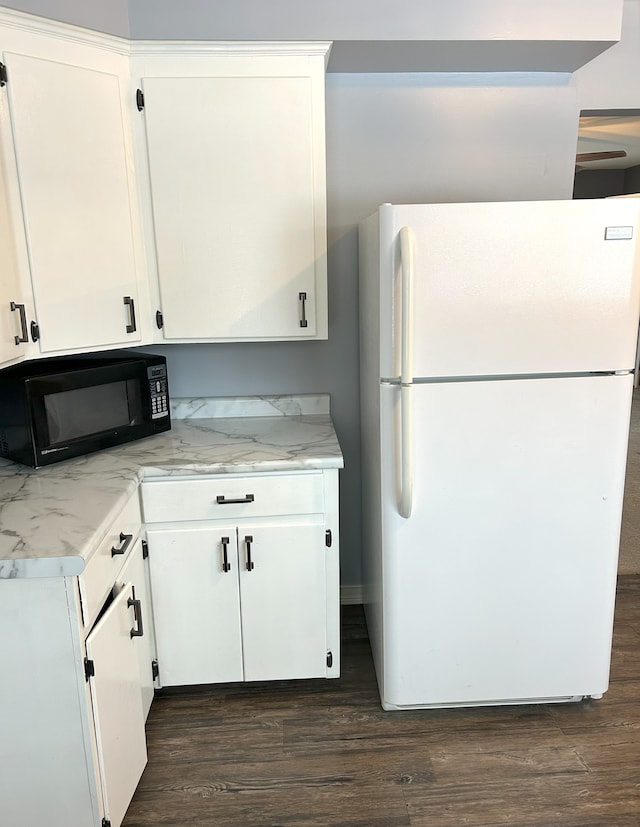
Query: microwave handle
{"type": "Point", "coordinates": [128, 301]}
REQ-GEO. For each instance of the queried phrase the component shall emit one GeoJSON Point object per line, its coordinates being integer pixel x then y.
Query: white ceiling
{"type": "Point", "coordinates": [610, 131]}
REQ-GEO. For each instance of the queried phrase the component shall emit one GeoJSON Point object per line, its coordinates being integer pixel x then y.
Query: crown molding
{"type": "Point", "coordinates": [34, 24]}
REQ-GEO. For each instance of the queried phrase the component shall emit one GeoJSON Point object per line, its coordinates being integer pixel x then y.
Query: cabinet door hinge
{"type": "Point", "coordinates": [155, 671]}
{"type": "Point", "coordinates": [140, 99]}
{"type": "Point", "coordinates": [3, 75]}
{"type": "Point", "coordinates": [35, 331]}
{"type": "Point", "coordinates": [89, 669]}
{"type": "Point", "coordinates": [106, 822]}
{"type": "Point", "coordinates": [159, 319]}
{"type": "Point", "coordinates": [328, 538]}
{"type": "Point", "coordinates": [329, 659]}
{"type": "Point", "coordinates": [145, 549]}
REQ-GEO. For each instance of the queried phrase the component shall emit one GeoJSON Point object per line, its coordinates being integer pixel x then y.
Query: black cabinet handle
{"type": "Point", "coordinates": [247, 541]}
{"type": "Point", "coordinates": [23, 322]}
{"type": "Point", "coordinates": [125, 539]}
{"type": "Point", "coordinates": [302, 298]}
{"type": "Point", "coordinates": [131, 328]}
{"type": "Point", "coordinates": [222, 500]}
{"type": "Point", "coordinates": [226, 565]}
{"type": "Point", "coordinates": [138, 631]}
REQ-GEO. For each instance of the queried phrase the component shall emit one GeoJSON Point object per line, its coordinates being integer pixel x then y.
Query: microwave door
{"type": "Point", "coordinates": [81, 412]}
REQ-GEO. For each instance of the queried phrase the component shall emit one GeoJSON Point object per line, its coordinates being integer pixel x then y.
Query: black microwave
{"type": "Point", "coordinates": [54, 409]}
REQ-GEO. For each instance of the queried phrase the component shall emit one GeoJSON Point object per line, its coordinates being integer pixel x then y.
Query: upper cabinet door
{"type": "Point", "coordinates": [73, 172]}
{"type": "Point", "coordinates": [14, 333]}
{"type": "Point", "coordinates": [16, 298]}
{"type": "Point", "coordinates": [237, 183]}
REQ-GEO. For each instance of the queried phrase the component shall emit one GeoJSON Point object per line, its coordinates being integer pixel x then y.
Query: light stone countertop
{"type": "Point", "coordinates": [51, 519]}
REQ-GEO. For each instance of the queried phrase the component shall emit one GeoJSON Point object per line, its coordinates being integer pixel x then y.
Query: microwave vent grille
{"type": "Point", "coordinates": [4, 443]}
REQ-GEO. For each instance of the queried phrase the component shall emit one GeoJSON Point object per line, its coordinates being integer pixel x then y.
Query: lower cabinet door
{"type": "Point", "coordinates": [136, 572]}
{"type": "Point", "coordinates": [117, 705]}
{"type": "Point", "coordinates": [196, 603]}
{"type": "Point", "coordinates": [283, 597]}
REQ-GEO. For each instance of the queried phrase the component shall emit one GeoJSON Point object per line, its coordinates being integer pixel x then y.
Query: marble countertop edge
{"type": "Point", "coordinates": [53, 519]}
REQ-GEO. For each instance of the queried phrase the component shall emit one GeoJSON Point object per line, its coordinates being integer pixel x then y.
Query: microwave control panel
{"type": "Point", "coordinates": [158, 390]}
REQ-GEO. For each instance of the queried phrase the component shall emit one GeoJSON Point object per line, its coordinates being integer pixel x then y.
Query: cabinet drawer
{"type": "Point", "coordinates": [102, 569]}
{"type": "Point", "coordinates": [232, 498]}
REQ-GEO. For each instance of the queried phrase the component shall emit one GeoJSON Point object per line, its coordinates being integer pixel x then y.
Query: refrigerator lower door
{"type": "Point", "coordinates": [500, 587]}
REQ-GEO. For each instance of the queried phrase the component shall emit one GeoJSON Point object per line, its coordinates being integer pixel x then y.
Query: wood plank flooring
{"type": "Point", "coordinates": [320, 753]}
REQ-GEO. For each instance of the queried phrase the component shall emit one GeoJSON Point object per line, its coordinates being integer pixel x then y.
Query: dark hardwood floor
{"type": "Point", "coordinates": [319, 753]}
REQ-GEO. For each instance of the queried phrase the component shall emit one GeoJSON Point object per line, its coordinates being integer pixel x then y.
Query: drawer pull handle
{"type": "Point", "coordinates": [226, 565]}
{"type": "Point", "coordinates": [222, 500]}
{"type": "Point", "coordinates": [125, 539]}
{"type": "Point", "coordinates": [248, 540]}
{"type": "Point", "coordinates": [137, 613]}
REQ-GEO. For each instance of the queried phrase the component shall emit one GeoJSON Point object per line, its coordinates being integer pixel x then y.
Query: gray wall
{"type": "Point", "coordinates": [111, 16]}
{"type": "Point", "coordinates": [377, 19]}
{"type": "Point", "coordinates": [406, 35]}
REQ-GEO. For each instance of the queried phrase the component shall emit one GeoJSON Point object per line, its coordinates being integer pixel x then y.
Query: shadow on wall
{"type": "Point", "coordinates": [600, 183]}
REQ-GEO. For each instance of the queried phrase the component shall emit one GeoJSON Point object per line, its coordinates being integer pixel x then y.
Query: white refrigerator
{"type": "Point", "coordinates": [497, 350]}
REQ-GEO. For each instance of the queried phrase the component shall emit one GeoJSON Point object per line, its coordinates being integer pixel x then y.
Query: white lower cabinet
{"type": "Point", "coordinates": [136, 572]}
{"type": "Point", "coordinates": [282, 573]}
{"type": "Point", "coordinates": [244, 575]}
{"type": "Point", "coordinates": [194, 599]}
{"type": "Point", "coordinates": [254, 597]}
{"type": "Point", "coordinates": [73, 746]}
{"type": "Point", "coordinates": [239, 603]}
{"type": "Point", "coordinates": [117, 704]}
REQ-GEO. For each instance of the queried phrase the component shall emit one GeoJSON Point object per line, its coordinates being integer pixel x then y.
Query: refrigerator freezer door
{"type": "Point", "coordinates": [513, 288]}
{"type": "Point", "coordinates": [501, 585]}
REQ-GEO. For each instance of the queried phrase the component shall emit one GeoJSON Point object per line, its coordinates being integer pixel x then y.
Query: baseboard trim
{"type": "Point", "coordinates": [351, 595]}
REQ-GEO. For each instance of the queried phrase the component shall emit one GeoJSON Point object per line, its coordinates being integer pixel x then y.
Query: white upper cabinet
{"type": "Point", "coordinates": [16, 297]}
{"type": "Point", "coordinates": [14, 333]}
{"type": "Point", "coordinates": [74, 182]}
{"type": "Point", "coordinates": [198, 215]}
{"type": "Point", "coordinates": [233, 136]}
{"type": "Point", "coordinates": [66, 107]}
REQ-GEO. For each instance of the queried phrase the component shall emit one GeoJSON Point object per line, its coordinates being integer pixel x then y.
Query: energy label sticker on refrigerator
{"type": "Point", "coordinates": [617, 233]}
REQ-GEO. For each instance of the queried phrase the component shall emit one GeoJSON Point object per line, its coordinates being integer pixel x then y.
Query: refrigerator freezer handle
{"type": "Point", "coordinates": [406, 324]}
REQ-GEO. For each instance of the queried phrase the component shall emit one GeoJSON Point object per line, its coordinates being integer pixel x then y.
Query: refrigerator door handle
{"type": "Point", "coordinates": [406, 451]}
{"type": "Point", "coordinates": [406, 375]}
